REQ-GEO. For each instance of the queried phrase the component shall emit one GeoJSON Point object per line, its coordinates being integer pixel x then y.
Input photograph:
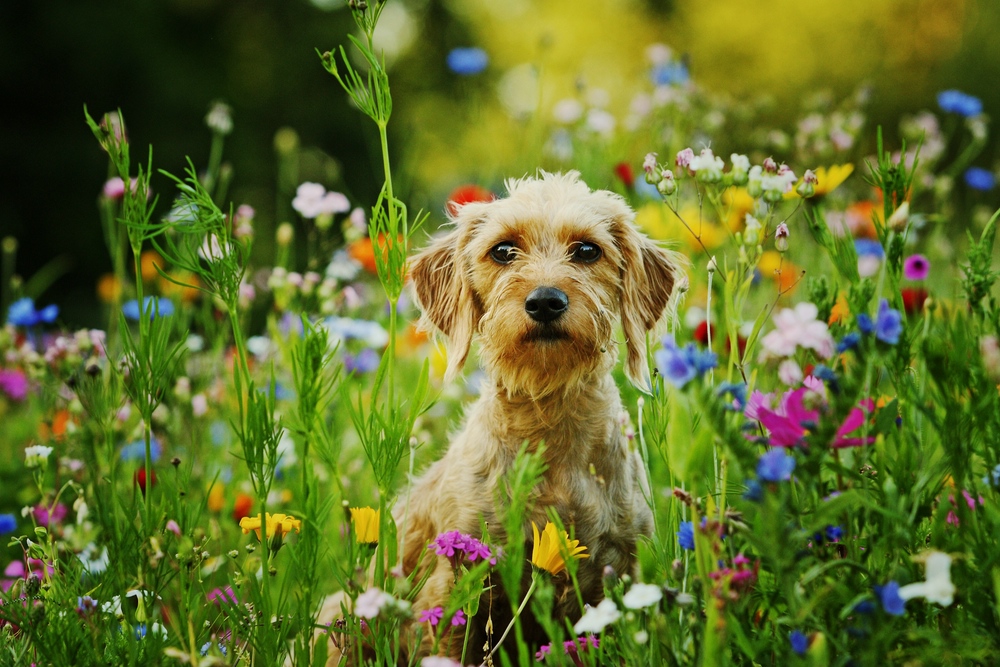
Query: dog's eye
{"type": "Point", "coordinates": [503, 253]}
{"type": "Point", "coordinates": [587, 253]}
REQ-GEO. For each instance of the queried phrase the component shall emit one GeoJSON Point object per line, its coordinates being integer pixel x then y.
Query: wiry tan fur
{"type": "Point", "coordinates": [559, 392]}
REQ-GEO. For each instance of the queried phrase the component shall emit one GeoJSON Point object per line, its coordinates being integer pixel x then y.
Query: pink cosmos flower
{"type": "Point", "coordinates": [799, 328]}
{"type": "Point", "coordinates": [916, 267]}
{"type": "Point", "coordinates": [855, 420]}
{"type": "Point", "coordinates": [789, 423]}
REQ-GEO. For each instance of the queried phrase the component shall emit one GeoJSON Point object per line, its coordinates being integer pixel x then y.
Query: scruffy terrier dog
{"type": "Point", "coordinates": [541, 277]}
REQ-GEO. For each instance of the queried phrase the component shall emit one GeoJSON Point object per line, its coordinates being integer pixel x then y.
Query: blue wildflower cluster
{"type": "Point", "coordinates": [22, 313]}
{"type": "Point", "coordinates": [955, 101]}
{"type": "Point", "coordinates": [887, 326]}
{"type": "Point", "coordinates": [685, 536]}
{"type": "Point", "coordinates": [775, 466]}
{"type": "Point", "coordinates": [467, 60]}
{"type": "Point", "coordinates": [160, 307]}
{"type": "Point", "coordinates": [888, 595]}
{"type": "Point", "coordinates": [680, 365]}
{"type": "Point", "coordinates": [978, 178]}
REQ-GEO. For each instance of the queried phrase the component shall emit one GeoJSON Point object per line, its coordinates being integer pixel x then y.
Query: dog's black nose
{"type": "Point", "coordinates": [546, 304]}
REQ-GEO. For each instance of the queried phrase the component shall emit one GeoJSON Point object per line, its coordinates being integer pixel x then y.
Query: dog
{"type": "Point", "coordinates": [540, 277]}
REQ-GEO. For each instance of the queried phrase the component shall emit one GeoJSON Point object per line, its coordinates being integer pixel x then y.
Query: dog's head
{"type": "Point", "coordinates": [541, 276]}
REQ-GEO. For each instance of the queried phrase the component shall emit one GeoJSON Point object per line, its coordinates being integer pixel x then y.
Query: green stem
{"type": "Point", "coordinates": [513, 621]}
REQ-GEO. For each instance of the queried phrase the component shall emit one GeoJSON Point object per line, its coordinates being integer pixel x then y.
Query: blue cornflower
{"type": "Point", "coordinates": [799, 642]}
{"type": "Point", "coordinates": [467, 61]}
{"type": "Point", "coordinates": [365, 361]}
{"type": "Point", "coordinates": [888, 323]}
{"type": "Point", "coordinates": [888, 595]}
{"type": "Point", "coordinates": [163, 307]}
{"type": "Point", "coordinates": [685, 536]}
{"type": "Point", "coordinates": [993, 478]}
{"type": "Point", "coordinates": [849, 342]}
{"type": "Point", "coordinates": [865, 324]}
{"type": "Point", "coordinates": [671, 74]}
{"type": "Point", "coordinates": [775, 466]}
{"type": "Point", "coordinates": [136, 451]}
{"type": "Point", "coordinates": [754, 492]}
{"type": "Point", "coordinates": [980, 179]}
{"type": "Point", "coordinates": [865, 607]}
{"type": "Point", "coordinates": [681, 365]}
{"type": "Point", "coordinates": [869, 247]}
{"type": "Point", "coordinates": [825, 373]}
{"type": "Point", "coordinates": [22, 313]}
{"type": "Point", "coordinates": [955, 101]}
{"type": "Point", "coordinates": [738, 390]}
{"type": "Point", "coordinates": [8, 523]}
{"type": "Point", "coordinates": [834, 533]}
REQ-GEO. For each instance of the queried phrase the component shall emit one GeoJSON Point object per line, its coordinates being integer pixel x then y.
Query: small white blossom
{"type": "Point", "coordinates": [641, 596]}
{"type": "Point", "coordinates": [36, 455]}
{"type": "Point", "coordinates": [707, 166]}
{"type": "Point", "coordinates": [370, 603]}
{"type": "Point", "coordinates": [595, 619]}
{"type": "Point", "coordinates": [567, 111]}
{"type": "Point", "coordinates": [938, 587]}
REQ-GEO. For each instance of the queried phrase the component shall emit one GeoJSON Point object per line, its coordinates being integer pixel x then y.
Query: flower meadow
{"type": "Point", "coordinates": [822, 438]}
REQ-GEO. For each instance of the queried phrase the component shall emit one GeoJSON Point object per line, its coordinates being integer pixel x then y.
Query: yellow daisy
{"type": "Point", "coordinates": [364, 522]}
{"type": "Point", "coordinates": [550, 547]}
{"type": "Point", "coordinates": [278, 525]}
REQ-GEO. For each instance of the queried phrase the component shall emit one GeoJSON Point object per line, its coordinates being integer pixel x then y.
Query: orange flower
{"type": "Point", "coordinates": [363, 251]}
{"type": "Point", "coordinates": [216, 498]}
{"type": "Point", "coordinates": [840, 310]}
{"type": "Point", "coordinates": [148, 261]}
{"type": "Point", "coordinates": [109, 288]}
{"type": "Point", "coordinates": [241, 508]}
{"type": "Point", "coordinates": [464, 194]}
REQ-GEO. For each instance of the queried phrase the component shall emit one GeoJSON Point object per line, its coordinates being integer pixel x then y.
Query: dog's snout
{"type": "Point", "coordinates": [546, 304]}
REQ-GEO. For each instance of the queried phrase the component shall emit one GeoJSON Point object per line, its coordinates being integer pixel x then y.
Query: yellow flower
{"type": "Point", "coordinates": [364, 521]}
{"type": "Point", "coordinates": [551, 548]}
{"type": "Point", "coordinates": [659, 222]}
{"type": "Point", "coordinates": [278, 525]}
{"type": "Point", "coordinates": [827, 180]}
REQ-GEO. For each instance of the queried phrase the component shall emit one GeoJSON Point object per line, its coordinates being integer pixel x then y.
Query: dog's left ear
{"type": "Point", "coordinates": [648, 273]}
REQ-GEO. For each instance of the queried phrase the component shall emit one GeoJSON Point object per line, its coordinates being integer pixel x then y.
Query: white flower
{"type": "Point", "coordinates": [790, 372]}
{"type": "Point", "coordinates": [567, 111]}
{"type": "Point", "coordinates": [641, 596]}
{"type": "Point", "coordinates": [344, 328]}
{"type": "Point", "coordinates": [798, 328]}
{"type": "Point", "coordinates": [370, 603]}
{"type": "Point", "coordinates": [343, 267]}
{"type": "Point", "coordinates": [938, 587]}
{"type": "Point", "coordinates": [707, 166]}
{"type": "Point", "coordinates": [36, 455]}
{"type": "Point", "coordinates": [595, 619]}
{"type": "Point", "coordinates": [601, 121]}
{"type": "Point", "coordinates": [93, 561]}
{"type": "Point", "coordinates": [312, 200]}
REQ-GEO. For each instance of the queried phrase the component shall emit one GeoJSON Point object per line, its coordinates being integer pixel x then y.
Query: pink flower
{"type": "Point", "coordinates": [789, 423]}
{"type": "Point", "coordinates": [799, 328]}
{"type": "Point", "coordinates": [14, 383]}
{"type": "Point", "coordinates": [458, 618]}
{"type": "Point", "coordinates": [916, 267]}
{"type": "Point", "coordinates": [432, 616]}
{"type": "Point", "coordinates": [684, 158]}
{"type": "Point", "coordinates": [370, 603]}
{"type": "Point", "coordinates": [173, 527]}
{"type": "Point", "coordinates": [855, 420]}
{"type": "Point", "coordinates": [312, 200]}
{"type": "Point", "coordinates": [223, 595]}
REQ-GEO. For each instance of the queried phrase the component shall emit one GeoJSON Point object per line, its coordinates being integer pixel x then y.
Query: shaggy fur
{"type": "Point", "coordinates": [546, 382]}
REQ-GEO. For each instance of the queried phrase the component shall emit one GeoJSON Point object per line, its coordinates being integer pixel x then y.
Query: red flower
{"type": "Point", "coordinates": [465, 194]}
{"type": "Point", "coordinates": [241, 508]}
{"type": "Point", "coordinates": [701, 333]}
{"type": "Point", "coordinates": [624, 172]}
{"type": "Point", "coordinates": [140, 478]}
{"type": "Point", "coordinates": [913, 299]}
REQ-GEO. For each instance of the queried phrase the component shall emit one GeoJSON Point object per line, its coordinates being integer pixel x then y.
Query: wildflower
{"type": "Point", "coordinates": [85, 605]}
{"type": "Point", "coordinates": [241, 506]}
{"type": "Point", "coordinates": [891, 601]}
{"type": "Point", "coordinates": [897, 221]}
{"type": "Point", "coordinates": [776, 185]}
{"type": "Point", "coordinates": [136, 450]}
{"type": "Point", "coordinates": [458, 619]}
{"type": "Point", "coordinates": [22, 313]}
{"type": "Point", "coordinates": [849, 342]}
{"type": "Point", "coordinates": [365, 361]}
{"type": "Point", "coordinates": [855, 420]}
{"type": "Point", "coordinates": [371, 602]}
{"type": "Point", "coordinates": [432, 616]}
{"type": "Point", "coordinates": [466, 194]}
{"type": "Point", "coordinates": [372, 334]}
{"type": "Point", "coordinates": [458, 546]}
{"type": "Point", "coordinates": [789, 372]}
{"type": "Point", "coordinates": [888, 323]}
{"type": "Point", "coordinates": [567, 111]}
{"type": "Point", "coordinates": [781, 238]}
{"type": "Point", "coordinates": [914, 299]}
{"type": "Point", "coordinates": [155, 306]}
{"type": "Point", "coordinates": [707, 166]}
{"type": "Point", "coordinates": [8, 523]}
{"type": "Point", "coordinates": [833, 533]}
{"type": "Point", "coordinates": [595, 619]}
{"type": "Point", "coordinates": [312, 200]}
{"type": "Point", "coordinates": [751, 231]}
{"type": "Point", "coordinates": [807, 187]}
{"type": "Point", "coordinates": [916, 267]}
{"type": "Point", "coordinates": [365, 523]}
{"type": "Point", "coordinates": [278, 525]}
{"type": "Point", "coordinates": [652, 169]}
{"type": "Point", "coordinates": [754, 492]}
{"type": "Point", "coordinates": [681, 365]}
{"type": "Point", "coordinates": [799, 642]}
{"type": "Point", "coordinates": [640, 596]}
{"type": "Point", "coordinates": [220, 118]}
{"type": "Point", "coordinates": [37, 456]}
{"type": "Point", "coordinates": [955, 101]}
{"type": "Point", "coordinates": [741, 168]}
{"type": "Point", "coordinates": [684, 158]}
{"type": "Point", "coordinates": [738, 391]}
{"type": "Point", "coordinates": [667, 185]}
{"type": "Point", "coordinates": [219, 596]}
{"type": "Point", "coordinates": [552, 546]}
{"type": "Point", "coordinates": [775, 466]}
{"type": "Point", "coordinates": [467, 61]}
{"type": "Point", "coordinates": [799, 328]}
{"type": "Point", "coordinates": [979, 179]}
{"type": "Point", "coordinates": [685, 536]}
{"type": "Point", "coordinates": [670, 74]}
{"type": "Point", "coordinates": [938, 587]}
{"type": "Point", "coordinates": [570, 647]}
{"type": "Point", "coordinates": [14, 383]}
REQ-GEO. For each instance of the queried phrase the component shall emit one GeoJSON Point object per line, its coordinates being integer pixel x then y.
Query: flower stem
{"type": "Point", "coordinates": [513, 621]}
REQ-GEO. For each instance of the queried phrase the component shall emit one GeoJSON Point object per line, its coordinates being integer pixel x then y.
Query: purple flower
{"type": "Point", "coordinates": [681, 365]}
{"type": "Point", "coordinates": [432, 616]}
{"type": "Point", "coordinates": [916, 267]}
{"type": "Point", "coordinates": [365, 361]}
{"type": "Point", "coordinates": [888, 323]}
{"type": "Point", "coordinates": [754, 492]}
{"type": "Point", "coordinates": [834, 533]}
{"type": "Point", "coordinates": [799, 642]}
{"type": "Point", "coordinates": [458, 618]}
{"type": "Point", "coordinates": [458, 547]}
{"type": "Point", "coordinates": [888, 595]}
{"type": "Point", "coordinates": [980, 179]}
{"type": "Point", "coordinates": [85, 605]}
{"type": "Point", "coordinates": [14, 384]}
{"type": "Point", "coordinates": [775, 466]}
{"type": "Point", "coordinates": [955, 101]}
{"type": "Point", "coordinates": [467, 61]}
{"type": "Point", "coordinates": [223, 595]}
{"type": "Point", "coordinates": [685, 536]}
{"type": "Point", "coordinates": [22, 313]}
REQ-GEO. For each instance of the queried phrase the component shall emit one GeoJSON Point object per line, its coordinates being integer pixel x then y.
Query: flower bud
{"type": "Point", "coordinates": [652, 169]}
{"type": "Point", "coordinates": [807, 188]}
{"type": "Point", "coordinates": [667, 185]}
{"type": "Point", "coordinates": [684, 158]}
{"type": "Point", "coordinates": [751, 234]}
{"type": "Point", "coordinates": [285, 234]}
{"type": "Point", "coordinates": [781, 238]}
{"type": "Point", "coordinates": [741, 168]}
{"type": "Point", "coordinates": [897, 221]}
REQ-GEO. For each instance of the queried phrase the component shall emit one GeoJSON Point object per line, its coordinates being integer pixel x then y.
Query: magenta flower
{"type": "Point", "coordinates": [458, 546]}
{"type": "Point", "coordinates": [220, 595]}
{"type": "Point", "coordinates": [916, 267]}
{"type": "Point", "coordinates": [14, 384]}
{"type": "Point", "coordinates": [458, 618]}
{"type": "Point", "coordinates": [854, 421]}
{"type": "Point", "coordinates": [790, 422]}
{"type": "Point", "coordinates": [432, 616]}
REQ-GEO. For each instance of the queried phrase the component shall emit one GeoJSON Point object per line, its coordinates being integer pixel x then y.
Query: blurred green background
{"type": "Point", "coordinates": [163, 62]}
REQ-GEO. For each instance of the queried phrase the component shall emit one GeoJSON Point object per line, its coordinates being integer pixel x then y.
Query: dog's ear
{"type": "Point", "coordinates": [647, 280]}
{"type": "Point", "coordinates": [445, 297]}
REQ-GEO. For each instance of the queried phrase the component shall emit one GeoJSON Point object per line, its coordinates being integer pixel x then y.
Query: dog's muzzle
{"type": "Point", "coordinates": [546, 304]}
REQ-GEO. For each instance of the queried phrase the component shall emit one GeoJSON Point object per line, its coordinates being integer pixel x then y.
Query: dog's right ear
{"type": "Point", "coordinates": [445, 297]}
